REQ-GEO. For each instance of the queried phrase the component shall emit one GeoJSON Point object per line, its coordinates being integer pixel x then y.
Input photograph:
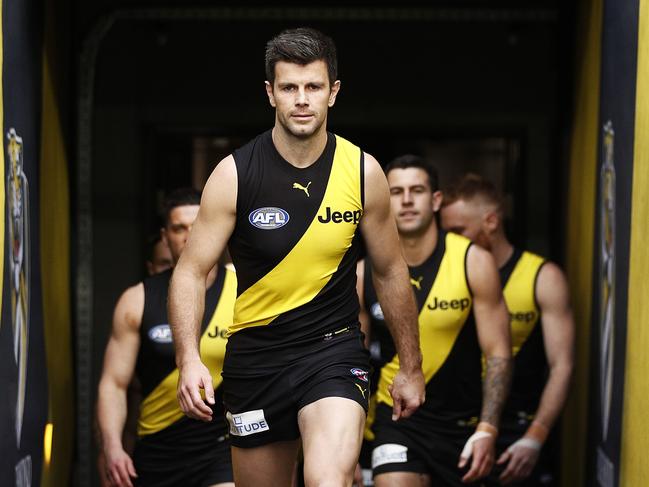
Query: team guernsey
{"type": "Point", "coordinates": [173, 449]}
{"type": "Point", "coordinates": [430, 441]}
{"type": "Point", "coordinates": [295, 245]}
{"type": "Point", "coordinates": [518, 277]}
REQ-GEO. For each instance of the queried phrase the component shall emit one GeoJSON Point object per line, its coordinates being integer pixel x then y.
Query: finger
{"type": "Point", "coordinates": [131, 468]}
{"type": "Point", "coordinates": [396, 410]}
{"type": "Point", "coordinates": [196, 406]}
{"type": "Point", "coordinates": [472, 474]}
{"type": "Point", "coordinates": [208, 387]}
{"type": "Point", "coordinates": [123, 470]}
{"type": "Point", "coordinates": [116, 475]}
{"type": "Point", "coordinates": [508, 474]}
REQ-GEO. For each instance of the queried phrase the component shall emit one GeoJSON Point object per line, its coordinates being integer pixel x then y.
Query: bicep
{"type": "Point", "coordinates": [378, 225]}
{"type": "Point", "coordinates": [124, 342]}
{"type": "Point", "coordinates": [215, 221]}
{"type": "Point", "coordinates": [556, 314]}
{"type": "Point", "coordinates": [490, 311]}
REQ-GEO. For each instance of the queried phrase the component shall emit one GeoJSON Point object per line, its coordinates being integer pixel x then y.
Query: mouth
{"type": "Point", "coordinates": [408, 214]}
{"type": "Point", "coordinates": [302, 116]}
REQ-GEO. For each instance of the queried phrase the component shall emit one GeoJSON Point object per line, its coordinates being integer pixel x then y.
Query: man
{"type": "Point", "coordinates": [291, 204]}
{"type": "Point", "coordinates": [158, 259]}
{"type": "Point", "coordinates": [449, 440]}
{"type": "Point", "coordinates": [536, 293]}
{"type": "Point", "coordinates": [171, 449]}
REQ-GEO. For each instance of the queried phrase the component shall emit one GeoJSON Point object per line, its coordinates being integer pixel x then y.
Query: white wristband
{"type": "Point", "coordinates": [467, 451]}
{"type": "Point", "coordinates": [526, 443]}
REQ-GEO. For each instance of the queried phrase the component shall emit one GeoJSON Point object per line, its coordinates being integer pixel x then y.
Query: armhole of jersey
{"type": "Point", "coordinates": [466, 269]}
{"type": "Point", "coordinates": [536, 278]}
{"type": "Point", "coordinates": [362, 179]}
{"type": "Point", "coordinates": [239, 192]}
{"type": "Point", "coordinates": [367, 277]}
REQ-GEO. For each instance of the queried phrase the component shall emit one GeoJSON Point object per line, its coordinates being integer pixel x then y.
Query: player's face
{"type": "Point", "coordinates": [302, 96]}
{"type": "Point", "coordinates": [465, 218]}
{"type": "Point", "coordinates": [161, 260]}
{"type": "Point", "coordinates": [176, 232]}
{"type": "Point", "coordinates": [413, 202]}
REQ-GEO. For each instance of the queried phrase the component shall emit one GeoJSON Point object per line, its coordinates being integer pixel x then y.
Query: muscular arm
{"type": "Point", "coordinates": [559, 336]}
{"type": "Point", "coordinates": [119, 364]}
{"type": "Point", "coordinates": [363, 316]}
{"type": "Point", "coordinates": [209, 235]}
{"type": "Point", "coordinates": [391, 281]}
{"type": "Point", "coordinates": [492, 322]}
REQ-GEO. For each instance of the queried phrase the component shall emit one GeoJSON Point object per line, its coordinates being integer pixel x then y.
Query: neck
{"type": "Point", "coordinates": [501, 249]}
{"type": "Point", "coordinates": [298, 151]}
{"type": "Point", "coordinates": [417, 248]}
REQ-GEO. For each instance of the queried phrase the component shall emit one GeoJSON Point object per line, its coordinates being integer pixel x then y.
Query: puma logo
{"type": "Point", "coordinates": [363, 391]}
{"type": "Point", "coordinates": [302, 188]}
{"type": "Point", "coordinates": [417, 282]}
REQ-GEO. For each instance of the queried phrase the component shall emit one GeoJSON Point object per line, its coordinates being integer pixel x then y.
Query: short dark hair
{"type": "Point", "coordinates": [471, 186]}
{"type": "Point", "coordinates": [410, 160]}
{"type": "Point", "coordinates": [179, 197]}
{"type": "Point", "coordinates": [302, 46]}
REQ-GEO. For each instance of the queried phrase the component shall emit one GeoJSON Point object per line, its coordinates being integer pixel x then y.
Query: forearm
{"type": "Point", "coordinates": [186, 307]}
{"type": "Point", "coordinates": [400, 311]}
{"type": "Point", "coordinates": [495, 388]}
{"type": "Point", "coordinates": [554, 395]}
{"type": "Point", "coordinates": [111, 414]}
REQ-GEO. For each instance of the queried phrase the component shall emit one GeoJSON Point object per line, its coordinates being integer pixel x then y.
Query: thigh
{"type": "Point", "coordinates": [402, 479]}
{"type": "Point", "coordinates": [332, 432]}
{"type": "Point", "coordinates": [270, 465]}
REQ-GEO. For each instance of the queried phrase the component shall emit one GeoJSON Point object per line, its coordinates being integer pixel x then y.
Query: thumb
{"type": "Point", "coordinates": [504, 458]}
{"type": "Point", "coordinates": [209, 389]}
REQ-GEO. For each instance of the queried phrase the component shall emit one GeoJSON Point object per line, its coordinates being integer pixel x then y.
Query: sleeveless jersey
{"type": "Point", "coordinates": [295, 244]}
{"type": "Point", "coordinates": [448, 337]}
{"type": "Point", "coordinates": [156, 366]}
{"type": "Point", "coordinates": [518, 277]}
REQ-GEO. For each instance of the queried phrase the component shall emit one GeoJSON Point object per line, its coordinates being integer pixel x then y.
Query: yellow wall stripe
{"type": "Point", "coordinates": [635, 430]}
{"type": "Point", "coordinates": [580, 231]}
{"type": "Point", "coordinates": [297, 279]}
{"type": "Point", "coordinates": [55, 274]}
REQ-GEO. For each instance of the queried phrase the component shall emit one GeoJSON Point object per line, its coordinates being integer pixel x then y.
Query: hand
{"type": "Point", "coordinates": [193, 377]}
{"type": "Point", "coordinates": [408, 392]}
{"type": "Point", "coordinates": [358, 476]}
{"type": "Point", "coordinates": [482, 447]}
{"type": "Point", "coordinates": [119, 467]}
{"type": "Point", "coordinates": [520, 457]}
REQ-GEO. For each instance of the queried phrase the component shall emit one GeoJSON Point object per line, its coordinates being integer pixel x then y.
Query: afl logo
{"type": "Point", "coordinates": [377, 312]}
{"type": "Point", "coordinates": [360, 373]}
{"type": "Point", "coordinates": [160, 334]}
{"type": "Point", "coordinates": [268, 218]}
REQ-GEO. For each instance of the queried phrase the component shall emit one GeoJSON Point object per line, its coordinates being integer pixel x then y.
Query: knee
{"type": "Point", "coordinates": [329, 479]}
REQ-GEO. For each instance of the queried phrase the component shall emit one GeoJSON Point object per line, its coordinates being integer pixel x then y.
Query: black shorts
{"type": "Point", "coordinates": [189, 453]}
{"type": "Point", "coordinates": [262, 405]}
{"type": "Point", "coordinates": [419, 446]}
{"type": "Point", "coordinates": [512, 428]}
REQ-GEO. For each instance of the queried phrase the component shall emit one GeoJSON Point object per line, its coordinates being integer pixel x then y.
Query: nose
{"type": "Point", "coordinates": [406, 199]}
{"type": "Point", "coordinates": [301, 97]}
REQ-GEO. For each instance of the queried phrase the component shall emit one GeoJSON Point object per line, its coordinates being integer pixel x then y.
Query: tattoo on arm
{"type": "Point", "coordinates": [495, 388]}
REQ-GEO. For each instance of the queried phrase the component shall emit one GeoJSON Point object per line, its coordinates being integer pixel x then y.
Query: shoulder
{"type": "Point", "coordinates": [477, 259]}
{"type": "Point", "coordinates": [551, 284]}
{"type": "Point", "coordinates": [129, 307]}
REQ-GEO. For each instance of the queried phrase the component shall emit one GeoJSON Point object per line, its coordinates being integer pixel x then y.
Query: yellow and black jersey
{"type": "Point", "coordinates": [295, 244]}
{"type": "Point", "coordinates": [448, 336]}
{"type": "Point", "coordinates": [519, 276]}
{"type": "Point", "coordinates": [156, 365]}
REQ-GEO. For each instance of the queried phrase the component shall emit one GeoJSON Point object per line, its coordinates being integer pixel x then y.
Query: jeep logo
{"type": "Point", "coordinates": [525, 317]}
{"type": "Point", "coordinates": [339, 217]}
{"type": "Point", "coordinates": [443, 304]}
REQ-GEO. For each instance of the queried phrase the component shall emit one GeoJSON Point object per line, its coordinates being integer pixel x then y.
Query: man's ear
{"type": "Point", "coordinates": [438, 197]}
{"type": "Point", "coordinates": [269, 92]}
{"type": "Point", "coordinates": [335, 88]}
{"type": "Point", "coordinates": [491, 221]}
